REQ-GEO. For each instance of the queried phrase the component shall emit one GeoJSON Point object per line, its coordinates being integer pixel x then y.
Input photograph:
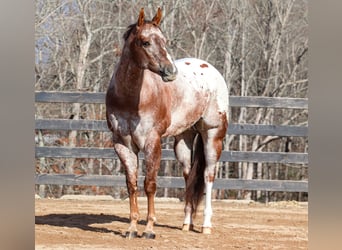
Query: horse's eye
{"type": "Point", "coordinates": [146, 44]}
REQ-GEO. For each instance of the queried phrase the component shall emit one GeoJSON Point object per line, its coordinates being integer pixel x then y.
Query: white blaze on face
{"type": "Point", "coordinates": [155, 32]}
{"type": "Point", "coordinates": [174, 69]}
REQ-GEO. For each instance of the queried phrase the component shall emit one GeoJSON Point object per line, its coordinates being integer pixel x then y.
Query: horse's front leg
{"type": "Point", "coordinates": [152, 150]}
{"type": "Point", "coordinates": [130, 161]}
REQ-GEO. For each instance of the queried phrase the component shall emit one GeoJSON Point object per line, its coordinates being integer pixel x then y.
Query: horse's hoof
{"type": "Point", "coordinates": [131, 235]}
{"type": "Point", "coordinates": [188, 227]}
{"type": "Point", "coordinates": [206, 230]}
{"type": "Point", "coordinates": [148, 235]}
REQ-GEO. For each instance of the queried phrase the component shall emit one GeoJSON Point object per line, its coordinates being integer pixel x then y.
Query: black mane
{"type": "Point", "coordinates": [129, 31]}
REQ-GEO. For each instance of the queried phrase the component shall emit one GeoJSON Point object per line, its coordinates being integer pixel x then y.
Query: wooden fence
{"type": "Point", "coordinates": [173, 182]}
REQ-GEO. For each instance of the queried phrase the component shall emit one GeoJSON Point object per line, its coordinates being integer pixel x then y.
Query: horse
{"type": "Point", "coordinates": [151, 96]}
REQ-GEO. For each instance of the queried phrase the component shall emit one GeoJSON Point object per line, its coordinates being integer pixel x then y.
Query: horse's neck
{"type": "Point", "coordinates": [128, 78]}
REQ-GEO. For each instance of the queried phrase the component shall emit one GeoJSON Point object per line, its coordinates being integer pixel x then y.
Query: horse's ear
{"type": "Point", "coordinates": [156, 19]}
{"type": "Point", "coordinates": [141, 18]}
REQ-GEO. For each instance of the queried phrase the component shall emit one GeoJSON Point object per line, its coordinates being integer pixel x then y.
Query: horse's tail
{"type": "Point", "coordinates": [195, 183]}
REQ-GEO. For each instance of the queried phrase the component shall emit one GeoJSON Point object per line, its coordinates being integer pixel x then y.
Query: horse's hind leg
{"type": "Point", "coordinates": [183, 151]}
{"type": "Point", "coordinates": [212, 139]}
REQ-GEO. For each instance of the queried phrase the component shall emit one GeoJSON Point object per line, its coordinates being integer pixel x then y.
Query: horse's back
{"type": "Point", "coordinates": [202, 76]}
{"type": "Point", "coordinates": [199, 91]}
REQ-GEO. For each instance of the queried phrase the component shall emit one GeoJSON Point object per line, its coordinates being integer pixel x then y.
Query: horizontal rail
{"type": "Point", "coordinates": [234, 101]}
{"type": "Point", "coordinates": [236, 129]}
{"type": "Point", "coordinates": [268, 102]}
{"type": "Point", "coordinates": [170, 182]}
{"type": "Point", "coordinates": [70, 97]}
{"type": "Point", "coordinates": [168, 154]}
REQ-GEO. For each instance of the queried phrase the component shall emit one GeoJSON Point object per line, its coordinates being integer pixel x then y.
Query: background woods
{"type": "Point", "coordinates": [260, 47]}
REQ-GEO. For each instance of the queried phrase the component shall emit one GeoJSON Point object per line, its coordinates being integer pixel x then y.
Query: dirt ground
{"type": "Point", "coordinates": [74, 223]}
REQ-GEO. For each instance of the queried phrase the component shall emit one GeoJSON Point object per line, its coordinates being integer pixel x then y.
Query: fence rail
{"type": "Point", "coordinates": [233, 129]}
{"type": "Point", "coordinates": [234, 101]}
{"type": "Point", "coordinates": [170, 182]}
{"type": "Point", "coordinates": [174, 182]}
{"type": "Point", "coordinates": [167, 154]}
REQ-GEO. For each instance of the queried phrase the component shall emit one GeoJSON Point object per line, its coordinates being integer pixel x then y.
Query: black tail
{"type": "Point", "coordinates": [195, 183]}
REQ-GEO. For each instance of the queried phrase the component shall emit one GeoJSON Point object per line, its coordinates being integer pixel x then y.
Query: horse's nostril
{"type": "Point", "coordinates": [168, 73]}
{"type": "Point", "coordinates": [168, 76]}
{"type": "Point", "coordinates": [171, 69]}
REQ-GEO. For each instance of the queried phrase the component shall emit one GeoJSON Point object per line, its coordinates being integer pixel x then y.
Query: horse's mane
{"type": "Point", "coordinates": [129, 31]}
{"type": "Point", "coordinates": [132, 27]}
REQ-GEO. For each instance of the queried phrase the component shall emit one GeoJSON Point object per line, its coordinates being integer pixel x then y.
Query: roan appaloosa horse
{"type": "Point", "coordinates": [150, 96]}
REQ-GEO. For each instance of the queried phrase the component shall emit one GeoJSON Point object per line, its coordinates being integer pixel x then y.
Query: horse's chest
{"type": "Point", "coordinates": [131, 129]}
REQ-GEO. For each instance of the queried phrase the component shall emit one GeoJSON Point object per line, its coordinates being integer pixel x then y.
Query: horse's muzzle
{"type": "Point", "coordinates": [169, 73]}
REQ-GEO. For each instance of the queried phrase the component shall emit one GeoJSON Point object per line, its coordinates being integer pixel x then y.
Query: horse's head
{"type": "Point", "coordinates": [147, 45]}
